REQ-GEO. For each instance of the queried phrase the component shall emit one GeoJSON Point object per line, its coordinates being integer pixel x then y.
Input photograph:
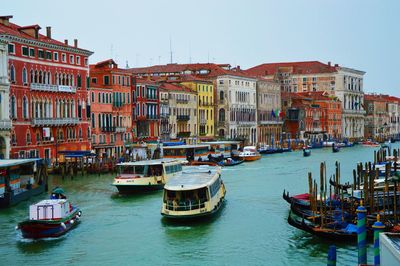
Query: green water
{"type": "Point", "coordinates": [251, 229]}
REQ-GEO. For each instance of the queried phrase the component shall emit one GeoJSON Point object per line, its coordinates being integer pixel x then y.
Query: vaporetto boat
{"type": "Point", "coordinates": [146, 175]}
{"type": "Point", "coordinates": [196, 192]}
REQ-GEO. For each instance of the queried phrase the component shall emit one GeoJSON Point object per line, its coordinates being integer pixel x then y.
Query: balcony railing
{"type": "Point", "coordinates": [182, 101]}
{"type": "Point", "coordinates": [152, 117]}
{"type": "Point", "coordinates": [108, 129]}
{"type": "Point", "coordinates": [351, 111]}
{"type": "Point", "coordinates": [54, 121]}
{"type": "Point", "coordinates": [120, 129]}
{"type": "Point", "coordinates": [5, 124]}
{"type": "Point", "coordinates": [183, 118]}
{"type": "Point", "coordinates": [52, 88]}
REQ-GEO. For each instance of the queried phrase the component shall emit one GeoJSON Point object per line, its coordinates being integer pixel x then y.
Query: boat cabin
{"type": "Point", "coordinates": [187, 152]}
{"type": "Point", "coordinates": [148, 168]}
{"type": "Point", "coordinates": [51, 209]}
{"type": "Point", "coordinates": [225, 148]}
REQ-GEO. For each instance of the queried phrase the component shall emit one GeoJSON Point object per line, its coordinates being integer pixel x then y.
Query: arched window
{"type": "Point", "coordinates": [78, 81]}
{"type": "Point", "coordinates": [222, 114]}
{"type": "Point", "coordinates": [49, 77]}
{"type": "Point", "coordinates": [28, 138]}
{"type": "Point", "coordinates": [36, 76]}
{"type": "Point", "coordinates": [13, 107]}
{"type": "Point", "coordinates": [32, 76]}
{"type": "Point", "coordinates": [24, 76]}
{"type": "Point", "coordinates": [40, 77]}
{"type": "Point", "coordinates": [80, 133]}
{"type": "Point", "coordinates": [25, 108]}
{"type": "Point", "coordinates": [12, 73]}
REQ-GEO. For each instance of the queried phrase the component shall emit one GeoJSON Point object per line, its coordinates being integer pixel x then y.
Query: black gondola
{"type": "Point", "coordinates": [306, 152]}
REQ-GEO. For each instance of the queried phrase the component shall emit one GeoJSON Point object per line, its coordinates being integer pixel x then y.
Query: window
{"type": "Point", "coordinates": [63, 58]}
{"type": "Point", "coordinates": [40, 54]}
{"type": "Point", "coordinates": [49, 55]}
{"type": "Point", "coordinates": [78, 60]}
{"type": "Point", "coordinates": [24, 76]}
{"type": "Point", "coordinates": [12, 73]}
{"type": "Point", "coordinates": [13, 107]}
{"type": "Point", "coordinates": [94, 80]}
{"type": "Point", "coordinates": [92, 97]}
{"type": "Point", "coordinates": [55, 55]}
{"type": "Point", "coordinates": [25, 51]}
{"type": "Point", "coordinates": [71, 59]}
{"type": "Point", "coordinates": [106, 80]}
{"type": "Point", "coordinates": [31, 52]}
{"type": "Point", "coordinates": [86, 62]}
{"type": "Point", "coordinates": [11, 48]}
{"type": "Point", "coordinates": [78, 81]}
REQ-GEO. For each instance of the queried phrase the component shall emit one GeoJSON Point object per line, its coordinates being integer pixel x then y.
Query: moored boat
{"type": "Point", "coordinates": [196, 192]}
{"type": "Point", "coordinates": [306, 152]}
{"type": "Point", "coordinates": [21, 179]}
{"type": "Point", "coordinates": [50, 218]}
{"type": "Point", "coordinates": [230, 162]}
{"type": "Point", "coordinates": [249, 153]}
{"type": "Point", "coordinates": [370, 143]}
{"type": "Point", "coordinates": [145, 175]}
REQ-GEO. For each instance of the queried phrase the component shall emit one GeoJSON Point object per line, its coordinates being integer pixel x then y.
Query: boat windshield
{"type": "Point", "coordinates": [186, 200]}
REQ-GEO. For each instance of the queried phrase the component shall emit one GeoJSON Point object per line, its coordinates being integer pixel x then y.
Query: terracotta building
{"type": "Point", "coordinates": [111, 108]}
{"type": "Point", "coordinates": [48, 93]}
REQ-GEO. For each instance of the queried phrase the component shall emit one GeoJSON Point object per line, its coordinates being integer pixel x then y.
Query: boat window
{"type": "Point", "coordinates": [199, 151]}
{"type": "Point", "coordinates": [215, 187]}
{"type": "Point", "coordinates": [137, 169]}
{"type": "Point", "coordinates": [155, 170]}
{"type": "Point", "coordinates": [174, 152]}
{"type": "Point", "coordinates": [173, 168]}
{"type": "Point", "coordinates": [186, 200]}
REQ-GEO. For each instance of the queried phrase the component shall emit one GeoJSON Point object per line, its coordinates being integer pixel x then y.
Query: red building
{"type": "Point", "coordinates": [48, 94]}
{"type": "Point", "coordinates": [147, 110]}
{"type": "Point", "coordinates": [111, 101]}
{"type": "Point", "coordinates": [313, 115]}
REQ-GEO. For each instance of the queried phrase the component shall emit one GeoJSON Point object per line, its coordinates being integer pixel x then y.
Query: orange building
{"type": "Point", "coordinates": [111, 92]}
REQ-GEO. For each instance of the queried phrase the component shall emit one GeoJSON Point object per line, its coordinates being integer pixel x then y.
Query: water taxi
{"type": "Point", "coordinates": [50, 218]}
{"type": "Point", "coordinates": [21, 179]}
{"type": "Point", "coordinates": [196, 192]}
{"type": "Point", "coordinates": [187, 152]}
{"type": "Point", "coordinates": [145, 175]}
{"type": "Point", "coordinates": [223, 149]}
{"type": "Point", "coordinates": [249, 153]}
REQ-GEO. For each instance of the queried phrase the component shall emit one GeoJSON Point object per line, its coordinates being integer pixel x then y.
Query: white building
{"type": "Point", "coordinates": [394, 120]}
{"type": "Point", "coordinates": [237, 107]}
{"type": "Point", "coordinates": [5, 122]}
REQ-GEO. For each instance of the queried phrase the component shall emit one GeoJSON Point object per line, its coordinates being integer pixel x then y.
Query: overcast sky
{"type": "Point", "coordinates": [360, 34]}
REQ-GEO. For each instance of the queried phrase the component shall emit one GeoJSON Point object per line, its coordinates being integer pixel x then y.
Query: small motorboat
{"type": "Point", "coordinates": [50, 218]}
{"type": "Point", "coordinates": [335, 148]}
{"type": "Point", "coordinates": [230, 162]}
{"type": "Point", "coordinates": [306, 152]}
{"type": "Point", "coordinates": [249, 154]}
{"type": "Point", "coordinates": [370, 143]}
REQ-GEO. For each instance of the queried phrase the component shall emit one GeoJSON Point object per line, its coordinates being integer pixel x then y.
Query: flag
{"type": "Point", "coordinates": [273, 113]}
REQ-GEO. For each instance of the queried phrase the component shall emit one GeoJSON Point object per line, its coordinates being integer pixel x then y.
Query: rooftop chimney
{"type": "Point", "coordinates": [66, 42]}
{"type": "Point", "coordinates": [76, 43]}
{"type": "Point", "coordinates": [48, 32]}
{"type": "Point", "coordinates": [5, 20]}
{"type": "Point", "coordinates": [329, 63]}
{"type": "Point", "coordinates": [336, 65]}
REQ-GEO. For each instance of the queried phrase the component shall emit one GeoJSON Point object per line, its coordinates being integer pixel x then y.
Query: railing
{"type": "Point", "coordinates": [351, 111]}
{"type": "Point", "coordinates": [54, 121]}
{"type": "Point", "coordinates": [5, 124]}
{"type": "Point", "coordinates": [120, 129]}
{"type": "Point", "coordinates": [185, 205]}
{"type": "Point", "coordinates": [206, 104]}
{"type": "Point", "coordinates": [152, 117]}
{"type": "Point", "coordinates": [183, 118]}
{"type": "Point", "coordinates": [182, 101]}
{"type": "Point", "coordinates": [108, 129]}
{"type": "Point", "coordinates": [52, 88]}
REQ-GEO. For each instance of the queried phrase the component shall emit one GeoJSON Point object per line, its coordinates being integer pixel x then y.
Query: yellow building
{"type": "Point", "coordinates": [205, 105]}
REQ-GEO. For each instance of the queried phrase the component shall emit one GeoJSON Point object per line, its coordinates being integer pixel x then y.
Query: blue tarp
{"type": "Point", "coordinates": [174, 143]}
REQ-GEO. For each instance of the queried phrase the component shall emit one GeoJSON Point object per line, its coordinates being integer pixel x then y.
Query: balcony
{"type": "Point", "coordinates": [183, 117]}
{"type": "Point", "coordinates": [108, 129]}
{"type": "Point", "coordinates": [164, 116]}
{"type": "Point", "coordinates": [120, 129]}
{"type": "Point", "coordinates": [355, 112]}
{"type": "Point", "coordinates": [52, 88]}
{"type": "Point", "coordinates": [182, 101]}
{"type": "Point", "coordinates": [54, 121]}
{"type": "Point", "coordinates": [206, 104]}
{"type": "Point", "coordinates": [5, 124]}
{"type": "Point", "coordinates": [152, 117]}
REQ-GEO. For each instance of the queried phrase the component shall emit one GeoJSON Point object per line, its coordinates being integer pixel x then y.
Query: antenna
{"type": "Point", "coordinates": [170, 47]}
{"type": "Point", "coordinates": [127, 65]}
{"type": "Point", "coordinates": [190, 53]}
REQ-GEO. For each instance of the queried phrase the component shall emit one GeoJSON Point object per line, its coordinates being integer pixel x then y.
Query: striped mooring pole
{"type": "Point", "coordinates": [378, 227]}
{"type": "Point", "coordinates": [361, 234]}
{"type": "Point", "coordinates": [331, 256]}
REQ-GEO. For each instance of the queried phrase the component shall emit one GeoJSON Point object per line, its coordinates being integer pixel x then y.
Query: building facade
{"type": "Point", "coordinates": [182, 112]}
{"type": "Point", "coordinates": [111, 108]}
{"type": "Point", "coordinates": [269, 121]}
{"type": "Point", "coordinates": [48, 93]}
{"type": "Point", "coordinates": [165, 126]}
{"type": "Point", "coordinates": [147, 121]}
{"type": "Point", "coordinates": [377, 120]}
{"type": "Point", "coordinates": [313, 76]}
{"type": "Point", "coordinates": [5, 122]}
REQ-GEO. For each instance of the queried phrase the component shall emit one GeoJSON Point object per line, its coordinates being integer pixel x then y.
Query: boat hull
{"type": "Point", "coordinates": [251, 158]}
{"type": "Point", "coordinates": [36, 229]}
{"type": "Point", "coordinates": [11, 199]}
{"type": "Point", "coordinates": [131, 189]}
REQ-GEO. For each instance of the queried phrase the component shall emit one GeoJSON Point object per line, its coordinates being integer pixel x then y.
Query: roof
{"type": "Point", "coordinates": [149, 162]}
{"type": "Point", "coordinates": [16, 30]}
{"type": "Point", "coordinates": [305, 67]}
{"type": "Point", "coordinates": [186, 146]}
{"type": "Point", "coordinates": [174, 87]}
{"type": "Point", "coordinates": [193, 177]}
{"type": "Point", "coordinates": [15, 162]}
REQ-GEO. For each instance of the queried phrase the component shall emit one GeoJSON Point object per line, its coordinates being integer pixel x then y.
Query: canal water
{"type": "Point", "coordinates": [251, 229]}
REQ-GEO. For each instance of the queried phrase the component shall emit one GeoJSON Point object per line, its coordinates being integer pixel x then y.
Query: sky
{"type": "Point", "coordinates": [360, 34]}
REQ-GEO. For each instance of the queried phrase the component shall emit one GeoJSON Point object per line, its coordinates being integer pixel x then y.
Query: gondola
{"type": "Point", "coordinates": [301, 200]}
{"type": "Point", "coordinates": [306, 152]}
{"type": "Point", "coordinates": [335, 148]}
{"type": "Point", "coordinates": [230, 162]}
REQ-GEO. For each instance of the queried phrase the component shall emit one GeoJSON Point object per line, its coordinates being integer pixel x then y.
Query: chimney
{"type": "Point", "coordinates": [336, 65]}
{"type": "Point", "coordinates": [238, 67]}
{"type": "Point", "coordinates": [329, 63]}
{"type": "Point", "coordinates": [66, 42]}
{"type": "Point", "coordinates": [48, 32]}
{"type": "Point", "coordinates": [76, 43]}
{"type": "Point", "coordinates": [5, 20]}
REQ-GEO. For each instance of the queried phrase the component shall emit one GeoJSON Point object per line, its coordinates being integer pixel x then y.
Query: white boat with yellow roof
{"type": "Point", "coordinates": [145, 175]}
{"type": "Point", "coordinates": [197, 191]}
